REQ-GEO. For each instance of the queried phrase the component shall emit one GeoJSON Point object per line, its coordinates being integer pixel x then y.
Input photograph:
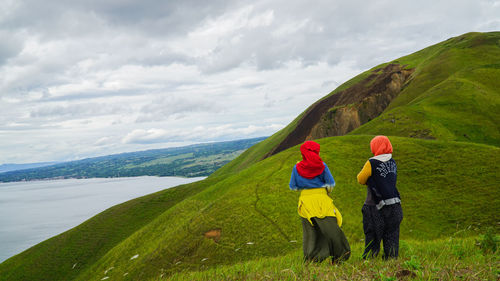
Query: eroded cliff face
{"type": "Point", "coordinates": [346, 110]}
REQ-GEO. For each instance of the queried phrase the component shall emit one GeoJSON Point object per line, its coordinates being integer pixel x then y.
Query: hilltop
{"type": "Point", "coordinates": [448, 91]}
{"type": "Point", "coordinates": [244, 212]}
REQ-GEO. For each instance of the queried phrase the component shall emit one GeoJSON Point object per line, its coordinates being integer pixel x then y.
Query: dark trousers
{"type": "Point", "coordinates": [324, 239]}
{"type": "Point", "coordinates": [382, 225]}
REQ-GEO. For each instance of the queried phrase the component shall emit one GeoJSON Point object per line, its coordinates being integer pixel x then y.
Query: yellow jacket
{"type": "Point", "coordinates": [315, 202]}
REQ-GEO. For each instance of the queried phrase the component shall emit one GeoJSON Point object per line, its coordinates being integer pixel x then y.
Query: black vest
{"type": "Point", "coordinates": [382, 182]}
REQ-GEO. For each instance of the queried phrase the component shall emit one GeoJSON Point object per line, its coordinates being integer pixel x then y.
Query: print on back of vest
{"type": "Point", "coordinates": [387, 167]}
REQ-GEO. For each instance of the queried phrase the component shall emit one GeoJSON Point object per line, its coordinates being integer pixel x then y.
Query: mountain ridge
{"type": "Point", "coordinates": [471, 55]}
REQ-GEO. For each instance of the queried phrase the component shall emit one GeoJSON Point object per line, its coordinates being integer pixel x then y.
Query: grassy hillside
{"type": "Point", "coordinates": [256, 213]}
{"type": "Point", "coordinates": [444, 127]}
{"type": "Point", "coordinates": [452, 94]}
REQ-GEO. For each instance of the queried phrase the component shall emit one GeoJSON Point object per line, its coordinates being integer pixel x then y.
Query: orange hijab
{"type": "Point", "coordinates": [380, 145]}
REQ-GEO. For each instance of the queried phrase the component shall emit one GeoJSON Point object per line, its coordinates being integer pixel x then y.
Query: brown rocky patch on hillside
{"type": "Point", "coordinates": [342, 112]}
{"type": "Point", "coordinates": [213, 234]}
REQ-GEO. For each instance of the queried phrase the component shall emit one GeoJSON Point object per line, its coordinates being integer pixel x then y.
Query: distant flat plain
{"type": "Point", "coordinates": [31, 212]}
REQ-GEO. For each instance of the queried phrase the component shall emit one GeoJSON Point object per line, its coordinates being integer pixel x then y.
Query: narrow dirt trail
{"type": "Point", "coordinates": [257, 199]}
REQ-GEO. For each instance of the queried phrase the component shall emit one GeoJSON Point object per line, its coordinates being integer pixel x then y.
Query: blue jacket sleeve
{"type": "Point", "coordinates": [327, 177]}
{"type": "Point", "coordinates": [293, 180]}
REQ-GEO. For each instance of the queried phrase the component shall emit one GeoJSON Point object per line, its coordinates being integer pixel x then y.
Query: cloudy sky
{"type": "Point", "coordinates": [86, 78]}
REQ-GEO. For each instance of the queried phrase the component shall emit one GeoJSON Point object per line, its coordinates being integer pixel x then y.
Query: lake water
{"type": "Point", "coordinates": [31, 212]}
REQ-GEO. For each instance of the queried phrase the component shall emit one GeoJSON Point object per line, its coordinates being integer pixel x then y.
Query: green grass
{"type": "Point", "coordinates": [442, 259]}
{"type": "Point", "coordinates": [255, 205]}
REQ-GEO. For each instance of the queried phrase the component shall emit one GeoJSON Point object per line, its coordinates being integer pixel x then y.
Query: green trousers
{"type": "Point", "coordinates": [324, 239]}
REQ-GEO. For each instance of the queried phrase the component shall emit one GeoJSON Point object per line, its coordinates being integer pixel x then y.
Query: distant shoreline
{"type": "Point", "coordinates": [75, 178]}
{"type": "Point", "coordinates": [188, 162]}
{"type": "Point", "coordinates": [62, 178]}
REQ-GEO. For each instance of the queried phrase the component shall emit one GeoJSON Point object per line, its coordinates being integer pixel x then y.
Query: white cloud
{"type": "Point", "coordinates": [103, 141]}
{"type": "Point", "coordinates": [82, 78]}
{"type": "Point", "coordinates": [146, 136]}
{"type": "Point", "coordinates": [197, 134]}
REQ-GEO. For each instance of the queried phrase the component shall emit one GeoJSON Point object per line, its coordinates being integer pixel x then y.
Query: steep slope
{"type": "Point", "coordinates": [454, 93]}
{"type": "Point", "coordinates": [255, 213]}
{"type": "Point", "coordinates": [338, 114]}
{"type": "Point", "coordinates": [448, 91]}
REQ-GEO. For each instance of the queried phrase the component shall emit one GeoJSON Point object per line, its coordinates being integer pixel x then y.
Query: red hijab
{"type": "Point", "coordinates": [311, 164]}
{"type": "Point", "coordinates": [380, 145]}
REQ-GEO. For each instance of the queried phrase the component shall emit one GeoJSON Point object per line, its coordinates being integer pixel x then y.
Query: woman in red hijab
{"type": "Point", "coordinates": [382, 212]}
{"type": "Point", "coordinates": [321, 220]}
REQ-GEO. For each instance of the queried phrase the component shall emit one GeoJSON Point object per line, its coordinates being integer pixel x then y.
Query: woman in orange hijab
{"type": "Point", "coordinates": [382, 212]}
{"type": "Point", "coordinates": [321, 221]}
